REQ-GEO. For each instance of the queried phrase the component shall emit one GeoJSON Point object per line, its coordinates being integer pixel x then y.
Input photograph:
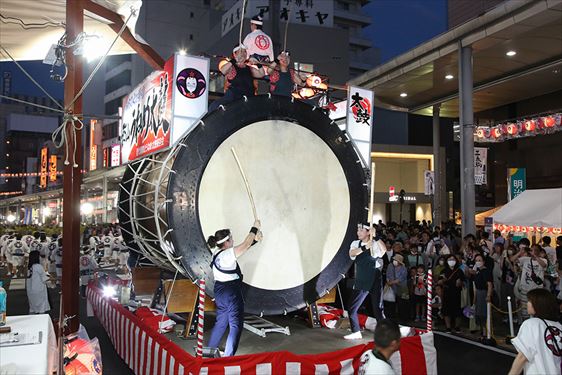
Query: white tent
{"type": "Point", "coordinates": [533, 208]}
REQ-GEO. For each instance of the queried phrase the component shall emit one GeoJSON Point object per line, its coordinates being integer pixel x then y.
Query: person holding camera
{"type": "Point", "coordinates": [484, 288]}
{"type": "Point", "coordinates": [532, 272]}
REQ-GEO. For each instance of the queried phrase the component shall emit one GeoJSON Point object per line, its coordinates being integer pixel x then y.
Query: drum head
{"type": "Point", "coordinates": [308, 190]}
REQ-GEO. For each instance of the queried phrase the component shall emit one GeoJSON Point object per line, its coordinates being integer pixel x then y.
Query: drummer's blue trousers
{"type": "Point", "coordinates": [230, 313]}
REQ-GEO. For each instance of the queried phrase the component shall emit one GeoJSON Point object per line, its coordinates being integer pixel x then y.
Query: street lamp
{"type": "Point", "coordinates": [11, 218]}
{"type": "Point", "coordinates": [87, 208]}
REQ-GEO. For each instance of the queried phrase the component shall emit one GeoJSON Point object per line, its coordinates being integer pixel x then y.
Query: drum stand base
{"type": "Point", "coordinates": [261, 326]}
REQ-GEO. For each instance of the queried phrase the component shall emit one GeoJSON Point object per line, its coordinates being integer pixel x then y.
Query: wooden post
{"type": "Point", "coordinates": [71, 176]}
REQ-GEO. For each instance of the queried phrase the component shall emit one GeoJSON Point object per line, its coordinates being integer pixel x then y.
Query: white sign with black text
{"type": "Point", "coordinates": [429, 182]}
{"type": "Point", "coordinates": [360, 120]}
{"type": "Point", "coordinates": [480, 165]}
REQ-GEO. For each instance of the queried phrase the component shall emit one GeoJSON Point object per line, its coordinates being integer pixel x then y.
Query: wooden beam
{"type": "Point", "coordinates": [72, 176]}
{"type": "Point", "coordinates": [143, 50]}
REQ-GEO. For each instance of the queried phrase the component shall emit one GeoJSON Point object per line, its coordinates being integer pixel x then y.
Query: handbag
{"type": "Point", "coordinates": [388, 294]}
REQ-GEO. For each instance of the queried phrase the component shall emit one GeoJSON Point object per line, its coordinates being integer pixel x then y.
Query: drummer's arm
{"type": "Point", "coordinates": [249, 240]}
{"type": "Point", "coordinates": [257, 73]}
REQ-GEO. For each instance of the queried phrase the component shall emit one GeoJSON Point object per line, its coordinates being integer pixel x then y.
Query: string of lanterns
{"type": "Point", "coordinates": [525, 229]}
{"type": "Point", "coordinates": [518, 129]}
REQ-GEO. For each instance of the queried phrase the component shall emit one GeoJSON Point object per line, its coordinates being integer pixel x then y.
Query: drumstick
{"type": "Point", "coordinates": [371, 205]}
{"type": "Point", "coordinates": [245, 183]}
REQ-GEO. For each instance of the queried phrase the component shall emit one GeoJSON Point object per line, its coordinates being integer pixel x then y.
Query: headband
{"type": "Point", "coordinates": [220, 242]}
{"type": "Point", "coordinates": [256, 22]}
{"type": "Point", "coordinates": [238, 48]}
{"type": "Point", "coordinates": [364, 226]}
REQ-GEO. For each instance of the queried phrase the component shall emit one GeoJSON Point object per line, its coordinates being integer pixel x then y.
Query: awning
{"type": "Point", "coordinates": [533, 208]}
{"type": "Point", "coordinates": [533, 29]}
{"type": "Point", "coordinates": [28, 29]}
{"type": "Point", "coordinates": [480, 218]}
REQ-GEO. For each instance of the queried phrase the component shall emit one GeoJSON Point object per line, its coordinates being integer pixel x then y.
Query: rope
{"type": "Point", "coordinates": [31, 104]}
{"type": "Point", "coordinates": [242, 22]}
{"type": "Point", "coordinates": [30, 77]}
{"type": "Point", "coordinates": [60, 133]}
{"type": "Point", "coordinates": [506, 312]}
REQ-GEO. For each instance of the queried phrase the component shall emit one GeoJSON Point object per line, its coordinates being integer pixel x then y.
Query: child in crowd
{"type": "Point", "coordinates": [420, 293]}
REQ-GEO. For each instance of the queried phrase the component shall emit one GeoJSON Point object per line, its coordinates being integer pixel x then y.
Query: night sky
{"type": "Point", "coordinates": [398, 25]}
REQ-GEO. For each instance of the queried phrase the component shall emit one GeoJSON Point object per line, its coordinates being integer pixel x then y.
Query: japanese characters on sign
{"type": "Point", "coordinates": [164, 107]}
{"type": "Point", "coordinates": [53, 168]}
{"type": "Point", "coordinates": [304, 12]}
{"type": "Point", "coordinates": [115, 155]}
{"type": "Point", "coordinates": [480, 165]}
{"type": "Point", "coordinates": [517, 182]}
{"type": "Point", "coordinates": [359, 121]}
{"type": "Point", "coordinates": [93, 157]}
{"type": "Point", "coordinates": [43, 168]}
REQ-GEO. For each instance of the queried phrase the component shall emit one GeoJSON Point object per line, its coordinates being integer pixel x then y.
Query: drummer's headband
{"type": "Point", "coordinates": [238, 48]}
{"type": "Point", "coordinates": [220, 242]}
{"type": "Point", "coordinates": [256, 21]}
{"type": "Point", "coordinates": [364, 226]}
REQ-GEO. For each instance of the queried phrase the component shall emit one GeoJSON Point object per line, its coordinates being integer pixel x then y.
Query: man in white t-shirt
{"type": "Point", "coordinates": [387, 341]}
{"type": "Point", "coordinates": [550, 251]}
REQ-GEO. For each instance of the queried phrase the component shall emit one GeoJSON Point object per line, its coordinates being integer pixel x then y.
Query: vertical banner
{"type": "Point", "coordinates": [93, 157]}
{"type": "Point", "coordinates": [516, 182]}
{"type": "Point", "coordinates": [106, 157]}
{"type": "Point", "coordinates": [190, 94]}
{"type": "Point", "coordinates": [360, 120]}
{"type": "Point", "coordinates": [147, 116]}
{"type": "Point", "coordinates": [43, 168]}
{"type": "Point", "coordinates": [115, 155]}
{"type": "Point", "coordinates": [429, 180]}
{"type": "Point", "coordinates": [53, 168]}
{"type": "Point", "coordinates": [480, 166]}
{"type": "Point", "coordinates": [489, 225]}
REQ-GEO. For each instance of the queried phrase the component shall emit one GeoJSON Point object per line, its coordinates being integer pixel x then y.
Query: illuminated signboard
{"type": "Point", "coordinates": [53, 168]}
{"type": "Point", "coordinates": [43, 170]}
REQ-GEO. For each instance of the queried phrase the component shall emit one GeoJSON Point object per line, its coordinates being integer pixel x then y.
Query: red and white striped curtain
{"type": "Point", "coordinates": [147, 352]}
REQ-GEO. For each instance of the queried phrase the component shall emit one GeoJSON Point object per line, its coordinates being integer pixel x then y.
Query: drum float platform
{"type": "Point", "coordinates": [308, 185]}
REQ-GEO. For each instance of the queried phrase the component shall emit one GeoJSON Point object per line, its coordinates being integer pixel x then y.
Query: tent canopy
{"type": "Point", "coordinates": [537, 208]}
{"type": "Point", "coordinates": [480, 218]}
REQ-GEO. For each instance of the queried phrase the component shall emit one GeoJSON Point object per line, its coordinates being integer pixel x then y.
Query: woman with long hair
{"type": "Point", "coordinates": [36, 285]}
{"type": "Point", "coordinates": [228, 285]}
{"type": "Point", "coordinates": [539, 341]}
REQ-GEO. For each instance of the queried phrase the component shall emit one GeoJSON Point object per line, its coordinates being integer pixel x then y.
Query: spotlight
{"type": "Point", "coordinates": [109, 291]}
{"type": "Point", "coordinates": [449, 76]}
{"type": "Point", "coordinates": [403, 95]}
{"type": "Point", "coordinates": [87, 208]}
{"type": "Point", "coordinates": [91, 46]}
{"type": "Point", "coordinates": [511, 53]}
{"type": "Point", "coordinates": [11, 218]}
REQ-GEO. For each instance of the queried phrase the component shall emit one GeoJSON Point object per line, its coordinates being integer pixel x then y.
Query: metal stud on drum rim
{"type": "Point", "coordinates": [189, 167]}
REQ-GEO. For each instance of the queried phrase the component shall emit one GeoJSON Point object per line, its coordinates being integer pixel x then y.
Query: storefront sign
{"type": "Point", "coordinates": [93, 157]}
{"type": "Point", "coordinates": [304, 12]}
{"type": "Point", "coordinates": [53, 168]}
{"type": "Point", "coordinates": [480, 165]}
{"type": "Point", "coordinates": [115, 155]}
{"type": "Point", "coordinates": [359, 121]}
{"type": "Point", "coordinates": [516, 182]}
{"type": "Point", "coordinates": [407, 198]}
{"type": "Point", "coordinates": [43, 168]}
{"type": "Point", "coordinates": [164, 107]}
{"type": "Point", "coordinates": [428, 186]}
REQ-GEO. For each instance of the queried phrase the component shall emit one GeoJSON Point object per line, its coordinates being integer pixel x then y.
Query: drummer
{"type": "Point", "coordinates": [228, 285]}
{"type": "Point", "coordinates": [282, 78]}
{"type": "Point", "coordinates": [368, 277]}
{"type": "Point", "coordinates": [239, 78]}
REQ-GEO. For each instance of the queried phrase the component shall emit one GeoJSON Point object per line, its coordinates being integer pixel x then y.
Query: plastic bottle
{"type": "Point", "coordinates": [3, 297]}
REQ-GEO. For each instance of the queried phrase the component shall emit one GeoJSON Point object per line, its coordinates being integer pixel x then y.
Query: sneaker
{"type": "Point", "coordinates": [354, 336]}
{"type": "Point", "coordinates": [457, 330]}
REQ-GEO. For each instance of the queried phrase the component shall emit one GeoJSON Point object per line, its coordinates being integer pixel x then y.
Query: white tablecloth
{"type": "Point", "coordinates": [38, 359]}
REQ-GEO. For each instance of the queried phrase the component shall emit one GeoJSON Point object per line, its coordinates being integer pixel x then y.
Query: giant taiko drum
{"type": "Point", "coordinates": [308, 186]}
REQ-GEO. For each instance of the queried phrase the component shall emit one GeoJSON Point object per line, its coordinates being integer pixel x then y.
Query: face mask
{"type": "Point", "coordinates": [395, 263]}
{"type": "Point", "coordinates": [441, 262]}
{"type": "Point", "coordinates": [479, 264]}
{"type": "Point", "coordinates": [451, 263]}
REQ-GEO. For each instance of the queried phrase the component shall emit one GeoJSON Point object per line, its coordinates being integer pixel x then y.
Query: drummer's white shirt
{"type": "Point", "coordinates": [531, 343]}
{"type": "Point", "coordinates": [226, 261]}
{"type": "Point", "coordinates": [376, 251]}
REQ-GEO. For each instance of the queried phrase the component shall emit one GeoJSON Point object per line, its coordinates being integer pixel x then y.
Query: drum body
{"type": "Point", "coordinates": [309, 190]}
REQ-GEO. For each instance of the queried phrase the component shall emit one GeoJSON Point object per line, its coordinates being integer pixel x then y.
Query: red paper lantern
{"type": "Point", "coordinates": [549, 121]}
{"type": "Point", "coordinates": [480, 132]}
{"type": "Point", "coordinates": [517, 228]}
{"type": "Point", "coordinates": [523, 229]}
{"type": "Point", "coordinates": [512, 129]}
{"type": "Point", "coordinates": [497, 132]}
{"type": "Point", "coordinates": [530, 229]}
{"type": "Point", "coordinates": [530, 125]}
{"type": "Point", "coordinates": [556, 231]}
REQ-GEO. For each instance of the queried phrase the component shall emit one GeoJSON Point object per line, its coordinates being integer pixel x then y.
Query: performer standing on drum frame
{"type": "Point", "coordinates": [238, 77]}
{"type": "Point", "coordinates": [228, 285]}
{"type": "Point", "coordinates": [368, 277]}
